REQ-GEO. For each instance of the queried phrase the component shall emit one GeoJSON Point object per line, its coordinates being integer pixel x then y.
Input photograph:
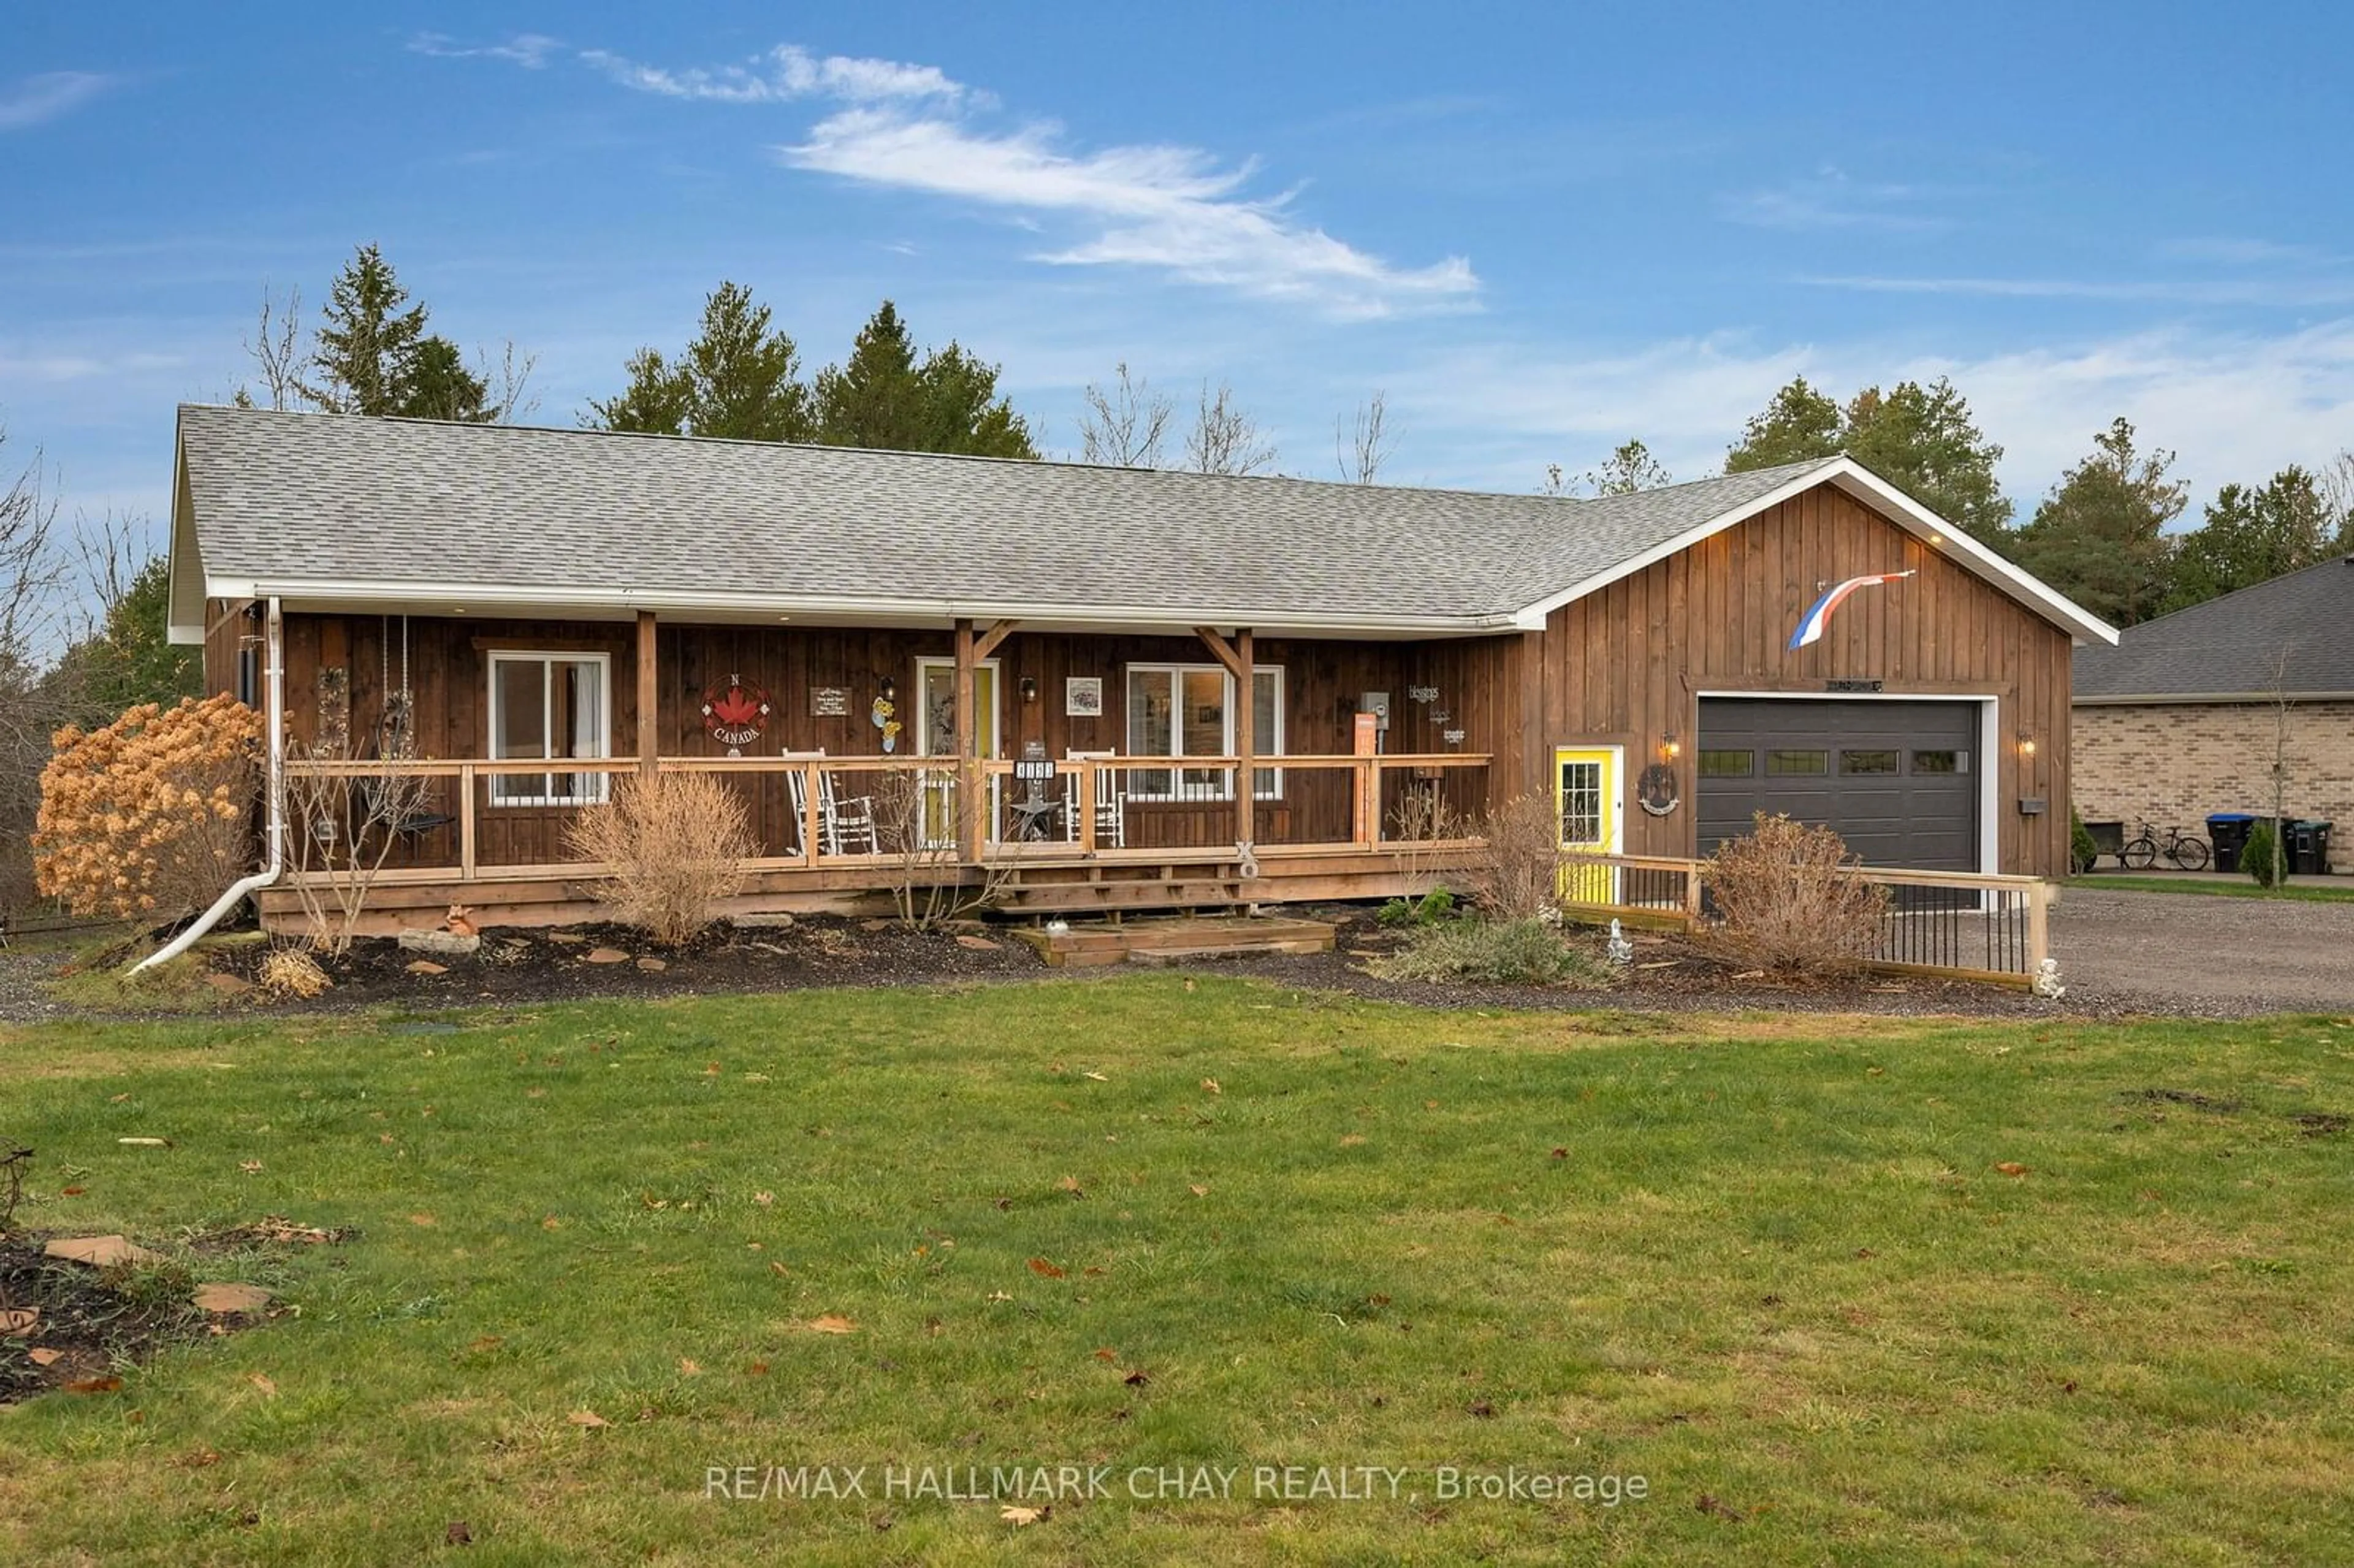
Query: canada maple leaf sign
{"type": "Point", "coordinates": [733, 714]}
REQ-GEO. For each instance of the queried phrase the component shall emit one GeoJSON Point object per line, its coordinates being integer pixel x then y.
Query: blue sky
{"type": "Point", "coordinates": [1541, 230]}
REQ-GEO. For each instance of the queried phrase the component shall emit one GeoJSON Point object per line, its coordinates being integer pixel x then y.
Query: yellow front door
{"type": "Point", "coordinates": [1589, 805]}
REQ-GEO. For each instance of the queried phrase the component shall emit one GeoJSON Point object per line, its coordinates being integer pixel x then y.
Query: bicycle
{"type": "Point", "coordinates": [2186, 850]}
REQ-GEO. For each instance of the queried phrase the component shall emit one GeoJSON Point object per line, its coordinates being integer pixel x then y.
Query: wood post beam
{"type": "Point", "coordinates": [649, 698]}
{"type": "Point", "coordinates": [1246, 742]}
{"type": "Point", "coordinates": [968, 738]}
{"type": "Point", "coordinates": [986, 643]}
{"type": "Point", "coordinates": [1220, 649]}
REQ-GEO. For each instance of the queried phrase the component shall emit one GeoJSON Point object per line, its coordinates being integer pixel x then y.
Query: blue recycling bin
{"type": "Point", "coordinates": [2228, 831]}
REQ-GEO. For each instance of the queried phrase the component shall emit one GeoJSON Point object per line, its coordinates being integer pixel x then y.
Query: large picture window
{"type": "Point", "coordinates": [549, 707]}
{"type": "Point", "coordinates": [1188, 710]}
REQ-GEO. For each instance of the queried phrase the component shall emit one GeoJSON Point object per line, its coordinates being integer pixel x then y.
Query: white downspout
{"type": "Point", "coordinates": [274, 724]}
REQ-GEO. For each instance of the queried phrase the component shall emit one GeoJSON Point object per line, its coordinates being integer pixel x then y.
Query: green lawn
{"type": "Point", "coordinates": [1768, 1266]}
{"type": "Point", "coordinates": [2332, 891]}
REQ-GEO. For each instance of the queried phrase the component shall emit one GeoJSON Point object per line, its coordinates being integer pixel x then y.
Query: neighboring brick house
{"type": "Point", "coordinates": [2181, 717]}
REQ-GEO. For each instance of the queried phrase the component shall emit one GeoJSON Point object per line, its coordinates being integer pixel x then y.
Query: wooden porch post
{"type": "Point", "coordinates": [968, 735]}
{"type": "Point", "coordinates": [649, 698]}
{"type": "Point", "coordinates": [1246, 744]}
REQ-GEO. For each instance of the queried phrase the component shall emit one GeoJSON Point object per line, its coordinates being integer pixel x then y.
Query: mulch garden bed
{"type": "Point", "coordinates": [595, 961]}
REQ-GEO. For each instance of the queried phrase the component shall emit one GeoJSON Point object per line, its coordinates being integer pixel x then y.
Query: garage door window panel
{"type": "Point", "coordinates": [1781, 763]}
{"type": "Point", "coordinates": [1867, 764]}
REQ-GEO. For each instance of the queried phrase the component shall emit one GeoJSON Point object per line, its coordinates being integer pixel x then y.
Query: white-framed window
{"type": "Point", "coordinates": [549, 707]}
{"type": "Point", "coordinates": [1188, 710]}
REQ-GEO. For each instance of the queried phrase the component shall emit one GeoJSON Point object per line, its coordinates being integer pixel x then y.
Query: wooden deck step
{"type": "Point", "coordinates": [1080, 897]}
{"type": "Point", "coordinates": [1167, 941]}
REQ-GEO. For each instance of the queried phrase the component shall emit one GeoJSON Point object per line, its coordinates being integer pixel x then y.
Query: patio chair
{"type": "Point", "coordinates": [846, 823]}
{"type": "Point", "coordinates": [1111, 802]}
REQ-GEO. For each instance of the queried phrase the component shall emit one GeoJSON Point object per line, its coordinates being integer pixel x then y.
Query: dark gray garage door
{"type": "Point", "coordinates": [1898, 780]}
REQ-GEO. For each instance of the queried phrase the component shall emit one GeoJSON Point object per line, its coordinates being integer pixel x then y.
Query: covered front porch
{"type": "Point", "coordinates": [1105, 771]}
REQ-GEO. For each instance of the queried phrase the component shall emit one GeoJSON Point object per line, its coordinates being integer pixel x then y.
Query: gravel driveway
{"type": "Point", "coordinates": [2210, 956]}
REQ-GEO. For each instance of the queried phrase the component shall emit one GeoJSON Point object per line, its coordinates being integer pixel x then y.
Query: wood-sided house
{"type": "Point", "coordinates": [1075, 668]}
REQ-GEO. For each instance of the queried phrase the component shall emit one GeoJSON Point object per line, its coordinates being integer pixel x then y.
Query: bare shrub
{"type": "Point", "coordinates": [1422, 818]}
{"type": "Point", "coordinates": [345, 829]}
{"type": "Point", "coordinates": [1790, 898]}
{"type": "Point", "coordinates": [915, 823]}
{"type": "Point", "coordinates": [677, 844]}
{"type": "Point", "coordinates": [148, 816]}
{"type": "Point", "coordinates": [1516, 875]}
{"type": "Point", "coordinates": [291, 972]}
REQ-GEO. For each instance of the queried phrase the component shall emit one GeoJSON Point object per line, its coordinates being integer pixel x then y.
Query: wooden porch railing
{"type": "Point", "coordinates": [476, 820]}
{"type": "Point", "coordinates": [1946, 923]}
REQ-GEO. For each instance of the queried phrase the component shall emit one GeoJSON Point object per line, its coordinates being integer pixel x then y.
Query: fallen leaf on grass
{"type": "Point", "coordinates": [1482, 1409]}
{"type": "Point", "coordinates": [1351, 1139]}
{"type": "Point", "coordinates": [764, 1199]}
{"type": "Point", "coordinates": [71, 1191]}
{"type": "Point", "coordinates": [1107, 1354]}
{"type": "Point", "coordinates": [251, 1167]}
{"type": "Point", "coordinates": [2011, 1168]}
{"type": "Point", "coordinates": [425, 1220]}
{"type": "Point", "coordinates": [117, 1099]}
{"type": "Point", "coordinates": [1040, 1267]}
{"type": "Point", "coordinates": [1710, 1504]}
{"type": "Point", "coordinates": [588, 1418]}
{"type": "Point", "coordinates": [832, 1323]}
{"type": "Point", "coordinates": [1210, 1087]}
{"type": "Point", "coordinates": [1099, 1077]}
{"type": "Point", "coordinates": [1071, 1184]}
{"type": "Point", "coordinates": [1018, 1516]}
{"type": "Point", "coordinates": [42, 1356]}
{"type": "Point", "coordinates": [95, 1386]}
{"type": "Point", "coordinates": [18, 1320]}
{"type": "Point", "coordinates": [1200, 1192]}
{"type": "Point", "coordinates": [458, 1534]}
{"type": "Point", "coordinates": [145, 1142]}
{"type": "Point", "coordinates": [689, 1367]}
{"type": "Point", "coordinates": [263, 1382]}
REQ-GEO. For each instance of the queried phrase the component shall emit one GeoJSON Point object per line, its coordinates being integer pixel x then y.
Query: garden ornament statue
{"type": "Point", "coordinates": [1621, 951]}
{"type": "Point", "coordinates": [2046, 983]}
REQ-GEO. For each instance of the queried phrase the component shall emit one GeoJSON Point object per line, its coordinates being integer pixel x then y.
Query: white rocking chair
{"type": "Point", "coordinates": [846, 823]}
{"type": "Point", "coordinates": [1111, 802]}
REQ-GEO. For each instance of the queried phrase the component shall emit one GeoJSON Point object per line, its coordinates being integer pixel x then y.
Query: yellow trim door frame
{"type": "Point", "coordinates": [1589, 797]}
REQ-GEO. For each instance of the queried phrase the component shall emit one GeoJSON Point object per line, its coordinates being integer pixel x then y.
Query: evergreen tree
{"type": "Point", "coordinates": [655, 402]}
{"type": "Point", "coordinates": [1799, 424]}
{"type": "Point", "coordinates": [1919, 439]}
{"type": "Point", "coordinates": [2099, 536]}
{"type": "Point", "coordinates": [882, 396]}
{"type": "Point", "coordinates": [438, 386]}
{"type": "Point", "coordinates": [743, 379]}
{"type": "Point", "coordinates": [2252, 535]}
{"type": "Point", "coordinates": [364, 356]}
{"type": "Point", "coordinates": [876, 397]}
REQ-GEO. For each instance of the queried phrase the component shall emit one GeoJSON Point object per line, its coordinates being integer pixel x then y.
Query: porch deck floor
{"type": "Point", "coordinates": [1163, 940]}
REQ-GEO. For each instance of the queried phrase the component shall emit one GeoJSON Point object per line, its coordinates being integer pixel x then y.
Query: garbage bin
{"type": "Point", "coordinates": [2228, 833]}
{"type": "Point", "coordinates": [2309, 847]}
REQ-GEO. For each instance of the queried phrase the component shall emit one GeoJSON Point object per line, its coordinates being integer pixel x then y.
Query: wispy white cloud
{"type": "Point", "coordinates": [1177, 210]}
{"type": "Point", "coordinates": [1831, 199]}
{"type": "Point", "coordinates": [2229, 252]}
{"type": "Point", "coordinates": [530, 50]}
{"type": "Point", "coordinates": [784, 74]}
{"type": "Point", "coordinates": [35, 99]}
{"type": "Point", "coordinates": [1171, 209]}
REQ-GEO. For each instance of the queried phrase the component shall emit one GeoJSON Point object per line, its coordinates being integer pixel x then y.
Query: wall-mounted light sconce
{"type": "Point", "coordinates": [890, 689]}
{"type": "Point", "coordinates": [1670, 747]}
{"type": "Point", "coordinates": [1029, 688]}
{"type": "Point", "coordinates": [2026, 744]}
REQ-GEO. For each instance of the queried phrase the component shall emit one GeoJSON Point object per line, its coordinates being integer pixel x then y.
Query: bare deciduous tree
{"type": "Point", "coordinates": [1362, 448]}
{"type": "Point", "coordinates": [1127, 426]}
{"type": "Point", "coordinates": [342, 831]}
{"type": "Point", "coordinates": [1224, 439]}
{"type": "Point", "coordinates": [279, 348]}
{"type": "Point", "coordinates": [31, 573]}
{"type": "Point", "coordinates": [2281, 706]}
{"type": "Point", "coordinates": [2336, 483]}
{"type": "Point", "coordinates": [508, 381]}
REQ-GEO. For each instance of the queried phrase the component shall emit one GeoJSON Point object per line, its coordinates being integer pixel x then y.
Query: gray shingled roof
{"type": "Point", "coordinates": [2230, 647]}
{"type": "Point", "coordinates": [280, 497]}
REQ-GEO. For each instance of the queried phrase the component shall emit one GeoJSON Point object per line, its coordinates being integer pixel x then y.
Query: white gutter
{"type": "Point", "coordinates": [273, 716]}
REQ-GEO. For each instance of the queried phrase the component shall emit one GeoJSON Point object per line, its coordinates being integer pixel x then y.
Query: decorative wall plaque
{"type": "Point", "coordinates": [1083, 696]}
{"type": "Point", "coordinates": [734, 714]}
{"type": "Point", "coordinates": [829, 701]}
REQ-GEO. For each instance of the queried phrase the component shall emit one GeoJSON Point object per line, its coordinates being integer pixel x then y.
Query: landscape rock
{"type": "Point", "coordinates": [979, 943]}
{"type": "Point", "coordinates": [99, 1252]}
{"type": "Point", "coordinates": [428, 967]}
{"type": "Point", "coordinates": [567, 938]}
{"type": "Point", "coordinates": [777, 921]}
{"type": "Point", "coordinates": [653, 966]}
{"type": "Point", "coordinates": [875, 925]}
{"type": "Point", "coordinates": [231, 1299]}
{"type": "Point", "coordinates": [446, 942]}
{"type": "Point", "coordinates": [608, 955]}
{"type": "Point", "coordinates": [228, 985]}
